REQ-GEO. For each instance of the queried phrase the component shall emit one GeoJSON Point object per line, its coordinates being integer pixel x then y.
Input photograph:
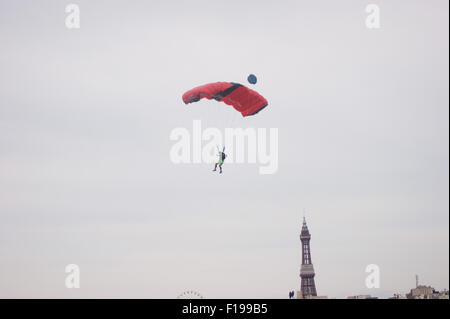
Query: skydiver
{"type": "Point", "coordinates": [222, 157]}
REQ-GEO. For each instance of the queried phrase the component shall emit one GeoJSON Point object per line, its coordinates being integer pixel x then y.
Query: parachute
{"type": "Point", "coordinates": [243, 99]}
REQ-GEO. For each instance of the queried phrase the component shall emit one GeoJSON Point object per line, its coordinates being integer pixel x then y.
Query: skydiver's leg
{"type": "Point", "coordinates": [215, 168]}
{"type": "Point", "coordinates": [220, 166]}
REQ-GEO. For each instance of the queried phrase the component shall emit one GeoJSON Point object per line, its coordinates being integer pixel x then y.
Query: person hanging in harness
{"type": "Point", "coordinates": [222, 157]}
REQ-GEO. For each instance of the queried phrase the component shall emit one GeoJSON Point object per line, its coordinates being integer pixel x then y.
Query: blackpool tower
{"type": "Point", "coordinates": [308, 287]}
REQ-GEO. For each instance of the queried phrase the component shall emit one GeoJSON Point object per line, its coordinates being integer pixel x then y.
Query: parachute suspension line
{"type": "Point", "coordinates": [234, 117]}
{"type": "Point", "coordinates": [228, 118]}
{"type": "Point", "coordinates": [218, 115]}
{"type": "Point", "coordinates": [210, 114]}
{"type": "Point", "coordinates": [224, 116]}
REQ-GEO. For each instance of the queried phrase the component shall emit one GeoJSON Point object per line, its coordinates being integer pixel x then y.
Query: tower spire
{"type": "Point", "coordinates": [308, 286]}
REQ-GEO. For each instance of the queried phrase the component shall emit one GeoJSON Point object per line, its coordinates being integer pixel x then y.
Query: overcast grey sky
{"type": "Point", "coordinates": [85, 174]}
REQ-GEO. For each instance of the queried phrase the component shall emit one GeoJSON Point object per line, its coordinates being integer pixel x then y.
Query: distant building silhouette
{"type": "Point", "coordinates": [362, 297]}
{"type": "Point", "coordinates": [426, 292]}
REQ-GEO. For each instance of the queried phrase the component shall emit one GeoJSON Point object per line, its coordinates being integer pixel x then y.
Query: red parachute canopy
{"type": "Point", "coordinates": [243, 99]}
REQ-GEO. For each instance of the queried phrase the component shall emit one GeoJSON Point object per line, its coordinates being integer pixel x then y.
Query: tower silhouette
{"type": "Point", "coordinates": [308, 286]}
